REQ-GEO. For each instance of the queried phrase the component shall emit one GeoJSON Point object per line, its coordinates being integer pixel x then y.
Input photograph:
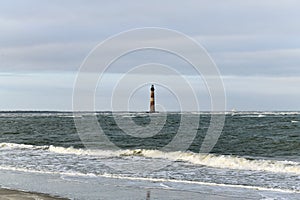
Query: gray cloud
{"type": "Point", "coordinates": [55, 35]}
{"type": "Point", "coordinates": [246, 39]}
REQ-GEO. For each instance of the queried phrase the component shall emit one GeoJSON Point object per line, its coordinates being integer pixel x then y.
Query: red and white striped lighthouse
{"type": "Point", "coordinates": [152, 100]}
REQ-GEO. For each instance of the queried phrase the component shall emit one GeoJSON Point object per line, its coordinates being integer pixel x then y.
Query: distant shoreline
{"type": "Point", "coordinates": [107, 111]}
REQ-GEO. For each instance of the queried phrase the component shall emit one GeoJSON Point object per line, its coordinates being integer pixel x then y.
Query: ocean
{"type": "Point", "coordinates": [257, 151]}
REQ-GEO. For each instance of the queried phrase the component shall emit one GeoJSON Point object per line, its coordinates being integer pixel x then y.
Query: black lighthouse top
{"type": "Point", "coordinates": [152, 88]}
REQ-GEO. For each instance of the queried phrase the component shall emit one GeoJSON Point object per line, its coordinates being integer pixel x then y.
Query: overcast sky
{"type": "Point", "coordinates": [255, 45]}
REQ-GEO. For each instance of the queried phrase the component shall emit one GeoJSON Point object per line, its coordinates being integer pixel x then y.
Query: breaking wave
{"type": "Point", "coordinates": [210, 160]}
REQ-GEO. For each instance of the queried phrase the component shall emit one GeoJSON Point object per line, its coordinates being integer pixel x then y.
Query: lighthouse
{"type": "Point", "coordinates": [152, 100]}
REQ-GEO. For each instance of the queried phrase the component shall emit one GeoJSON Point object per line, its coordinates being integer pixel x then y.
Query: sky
{"type": "Point", "coordinates": [254, 44]}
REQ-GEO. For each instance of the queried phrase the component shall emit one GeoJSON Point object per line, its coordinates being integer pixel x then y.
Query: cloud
{"type": "Point", "coordinates": [44, 57]}
{"type": "Point", "coordinates": [246, 40]}
{"type": "Point", "coordinates": [262, 93]}
{"type": "Point", "coordinates": [276, 62]}
{"type": "Point", "coordinates": [53, 91]}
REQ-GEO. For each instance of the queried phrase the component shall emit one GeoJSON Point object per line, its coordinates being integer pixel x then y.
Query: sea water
{"type": "Point", "coordinates": [256, 150]}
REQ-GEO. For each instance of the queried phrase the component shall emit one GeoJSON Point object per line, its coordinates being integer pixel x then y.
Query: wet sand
{"type": "Point", "coordinates": [6, 194]}
{"type": "Point", "coordinates": [94, 188]}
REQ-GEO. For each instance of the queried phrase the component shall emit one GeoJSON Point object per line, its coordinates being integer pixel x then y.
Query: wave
{"type": "Point", "coordinates": [258, 115]}
{"type": "Point", "coordinates": [263, 113]}
{"type": "Point", "coordinates": [66, 175]}
{"type": "Point", "coordinates": [198, 183]}
{"type": "Point", "coordinates": [210, 160]}
{"type": "Point", "coordinates": [84, 152]}
{"type": "Point", "coordinates": [222, 161]}
{"type": "Point", "coordinates": [69, 116]}
{"type": "Point", "coordinates": [6, 145]}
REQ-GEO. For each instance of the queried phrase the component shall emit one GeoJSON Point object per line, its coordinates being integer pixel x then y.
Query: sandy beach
{"type": "Point", "coordinates": [90, 188]}
{"type": "Point", "coordinates": [7, 194]}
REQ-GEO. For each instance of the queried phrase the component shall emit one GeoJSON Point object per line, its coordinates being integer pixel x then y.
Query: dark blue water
{"type": "Point", "coordinates": [244, 134]}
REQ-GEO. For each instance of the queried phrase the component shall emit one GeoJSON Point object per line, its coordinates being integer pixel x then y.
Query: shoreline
{"type": "Point", "coordinates": [12, 194]}
{"type": "Point", "coordinates": [62, 187]}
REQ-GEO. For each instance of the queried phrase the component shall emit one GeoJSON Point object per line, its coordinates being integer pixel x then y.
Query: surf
{"type": "Point", "coordinates": [208, 160]}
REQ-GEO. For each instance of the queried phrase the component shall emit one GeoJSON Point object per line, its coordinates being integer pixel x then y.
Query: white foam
{"type": "Point", "coordinates": [226, 161]}
{"type": "Point", "coordinates": [218, 161]}
{"type": "Point", "coordinates": [257, 113]}
{"type": "Point", "coordinates": [65, 175]}
{"type": "Point", "coordinates": [69, 116]}
{"type": "Point", "coordinates": [5, 145]}
{"type": "Point", "coordinates": [46, 172]}
{"type": "Point", "coordinates": [211, 160]}
{"type": "Point", "coordinates": [198, 183]}
{"type": "Point", "coordinates": [71, 150]}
